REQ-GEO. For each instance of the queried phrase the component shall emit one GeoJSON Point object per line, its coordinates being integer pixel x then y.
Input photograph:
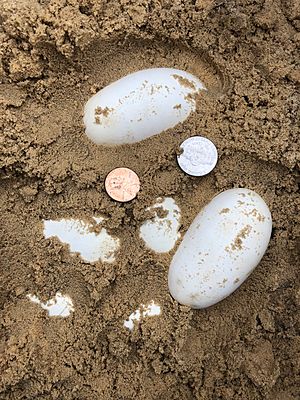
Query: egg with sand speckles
{"type": "Point", "coordinates": [223, 245]}
{"type": "Point", "coordinates": [140, 105]}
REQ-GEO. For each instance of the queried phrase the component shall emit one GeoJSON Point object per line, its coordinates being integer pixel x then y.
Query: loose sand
{"type": "Point", "coordinates": [54, 55]}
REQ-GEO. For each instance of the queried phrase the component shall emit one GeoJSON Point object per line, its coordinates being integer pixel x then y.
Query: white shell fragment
{"type": "Point", "coordinates": [161, 233]}
{"type": "Point", "coordinates": [60, 306]}
{"type": "Point", "coordinates": [140, 105]}
{"type": "Point", "coordinates": [79, 236]}
{"type": "Point", "coordinates": [223, 245]}
{"type": "Point", "coordinates": [143, 311]}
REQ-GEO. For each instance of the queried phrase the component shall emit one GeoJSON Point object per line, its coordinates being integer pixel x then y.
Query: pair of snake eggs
{"type": "Point", "coordinates": [228, 238]}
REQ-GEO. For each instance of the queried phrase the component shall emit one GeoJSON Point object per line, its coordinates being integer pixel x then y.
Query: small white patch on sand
{"type": "Point", "coordinates": [60, 306]}
{"type": "Point", "coordinates": [143, 311]}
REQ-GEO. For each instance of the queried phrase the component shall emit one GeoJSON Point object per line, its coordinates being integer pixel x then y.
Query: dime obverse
{"type": "Point", "coordinates": [199, 156]}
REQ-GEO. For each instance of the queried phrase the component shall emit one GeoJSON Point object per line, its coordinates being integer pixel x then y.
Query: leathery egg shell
{"type": "Point", "coordinates": [223, 245]}
{"type": "Point", "coordinates": [140, 105]}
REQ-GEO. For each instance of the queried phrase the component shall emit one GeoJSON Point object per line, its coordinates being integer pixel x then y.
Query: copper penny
{"type": "Point", "coordinates": [122, 184]}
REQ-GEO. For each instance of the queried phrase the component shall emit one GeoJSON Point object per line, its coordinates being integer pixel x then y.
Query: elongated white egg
{"type": "Point", "coordinates": [140, 105]}
{"type": "Point", "coordinates": [223, 245]}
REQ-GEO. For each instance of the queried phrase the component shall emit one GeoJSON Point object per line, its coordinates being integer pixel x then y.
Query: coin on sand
{"type": "Point", "coordinates": [122, 184]}
{"type": "Point", "coordinates": [199, 156]}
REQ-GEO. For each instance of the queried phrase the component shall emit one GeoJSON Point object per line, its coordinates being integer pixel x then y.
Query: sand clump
{"type": "Point", "coordinates": [53, 56]}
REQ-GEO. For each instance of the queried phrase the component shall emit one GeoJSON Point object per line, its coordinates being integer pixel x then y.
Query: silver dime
{"type": "Point", "coordinates": [199, 156]}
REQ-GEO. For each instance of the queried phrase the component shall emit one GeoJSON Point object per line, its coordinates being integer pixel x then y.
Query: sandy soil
{"type": "Point", "coordinates": [53, 55]}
